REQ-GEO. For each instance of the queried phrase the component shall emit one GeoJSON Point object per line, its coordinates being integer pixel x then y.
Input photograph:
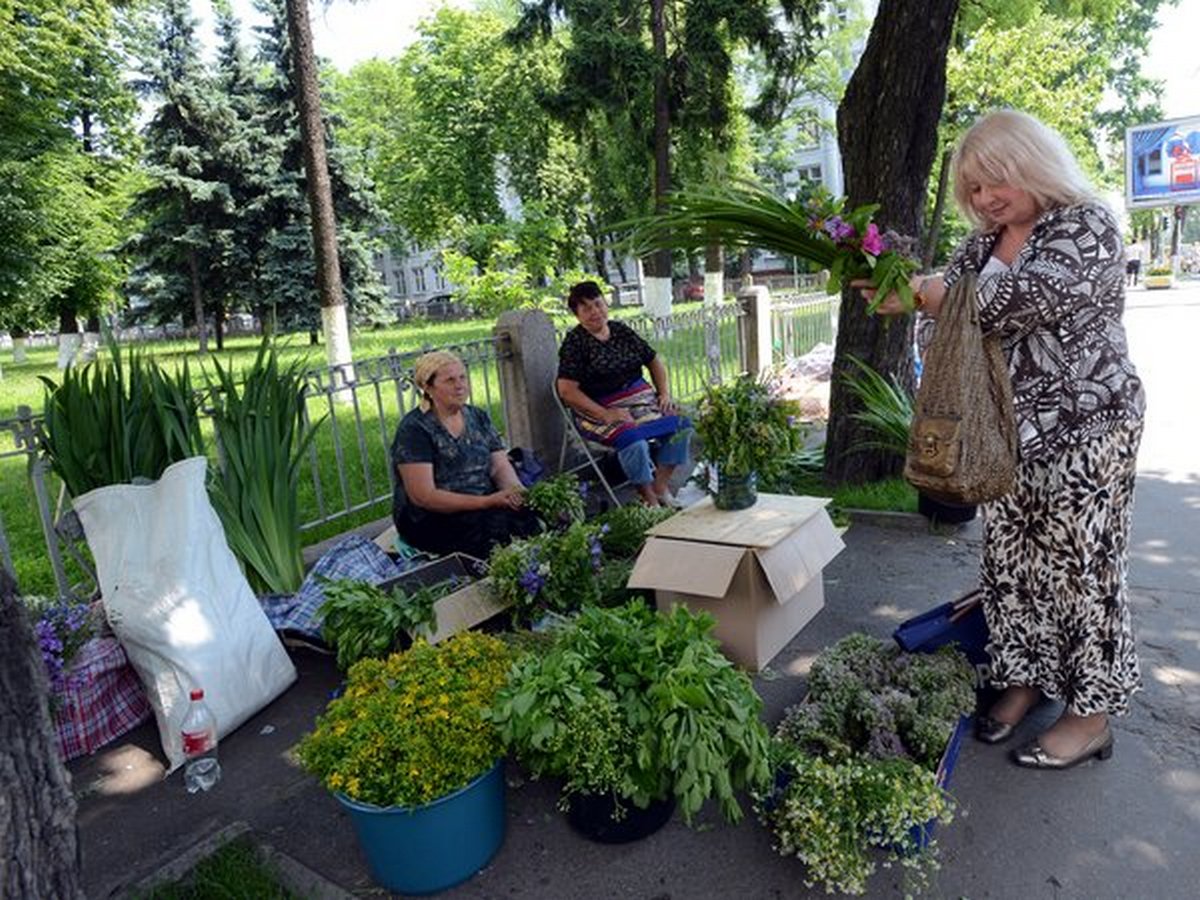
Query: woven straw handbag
{"type": "Point", "coordinates": [962, 447]}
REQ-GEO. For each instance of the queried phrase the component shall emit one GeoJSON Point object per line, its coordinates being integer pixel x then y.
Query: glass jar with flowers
{"type": "Point", "coordinates": [408, 753]}
{"type": "Point", "coordinates": [743, 431]}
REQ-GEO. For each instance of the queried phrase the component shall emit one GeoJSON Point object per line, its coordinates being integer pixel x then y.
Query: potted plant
{"type": "Point", "coordinates": [408, 753]}
{"type": "Point", "coordinates": [1159, 277]}
{"type": "Point", "coordinates": [743, 430]}
{"type": "Point", "coordinates": [635, 712]}
{"type": "Point", "coordinates": [864, 761]}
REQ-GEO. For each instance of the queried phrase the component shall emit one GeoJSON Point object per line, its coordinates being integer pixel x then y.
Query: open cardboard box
{"type": "Point", "coordinates": [757, 570]}
{"type": "Point", "coordinates": [470, 605]}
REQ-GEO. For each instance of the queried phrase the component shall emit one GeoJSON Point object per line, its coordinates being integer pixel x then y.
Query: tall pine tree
{"type": "Point", "coordinates": [187, 209]}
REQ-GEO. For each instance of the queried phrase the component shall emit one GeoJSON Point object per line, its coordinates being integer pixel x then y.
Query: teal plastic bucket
{"type": "Point", "coordinates": [426, 849]}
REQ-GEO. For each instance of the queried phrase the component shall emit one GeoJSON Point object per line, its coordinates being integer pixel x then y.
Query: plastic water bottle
{"type": "Point", "coordinates": [199, 731]}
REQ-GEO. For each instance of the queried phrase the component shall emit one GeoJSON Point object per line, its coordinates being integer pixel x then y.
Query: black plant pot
{"type": "Point", "coordinates": [736, 491]}
{"type": "Point", "coordinates": [940, 512]}
{"type": "Point", "coordinates": [591, 815]}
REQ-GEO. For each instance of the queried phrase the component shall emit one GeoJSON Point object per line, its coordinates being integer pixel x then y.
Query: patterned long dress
{"type": "Point", "coordinates": [1056, 548]}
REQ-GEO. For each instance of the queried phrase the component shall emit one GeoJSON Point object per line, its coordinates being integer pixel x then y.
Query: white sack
{"type": "Point", "coordinates": [179, 603]}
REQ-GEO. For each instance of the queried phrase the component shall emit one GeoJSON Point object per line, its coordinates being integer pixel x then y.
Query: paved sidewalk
{"type": "Point", "coordinates": [1125, 828]}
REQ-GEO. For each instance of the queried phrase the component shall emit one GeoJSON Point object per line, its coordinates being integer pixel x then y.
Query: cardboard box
{"type": "Point", "coordinates": [757, 570]}
{"type": "Point", "coordinates": [470, 605]}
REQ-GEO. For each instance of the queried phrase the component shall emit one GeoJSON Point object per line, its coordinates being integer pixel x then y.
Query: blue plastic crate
{"type": "Point", "coordinates": [936, 628]}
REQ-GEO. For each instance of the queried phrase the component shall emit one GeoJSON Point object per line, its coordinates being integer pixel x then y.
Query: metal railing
{"type": "Point", "coordinates": [349, 476]}
{"type": "Point", "coordinates": [349, 471]}
{"type": "Point", "coordinates": [801, 321]}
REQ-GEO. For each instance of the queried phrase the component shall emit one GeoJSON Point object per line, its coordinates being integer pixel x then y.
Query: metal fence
{"type": "Point", "coordinates": [356, 409]}
{"type": "Point", "coordinates": [799, 322]}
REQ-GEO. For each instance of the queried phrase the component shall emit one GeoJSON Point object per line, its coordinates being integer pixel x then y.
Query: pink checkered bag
{"type": "Point", "coordinates": [102, 698]}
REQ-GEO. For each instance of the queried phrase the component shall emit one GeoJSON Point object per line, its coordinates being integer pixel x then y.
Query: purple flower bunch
{"type": "Point", "coordinates": [533, 579]}
{"type": "Point", "coordinates": [850, 245]}
{"type": "Point", "coordinates": [61, 629]}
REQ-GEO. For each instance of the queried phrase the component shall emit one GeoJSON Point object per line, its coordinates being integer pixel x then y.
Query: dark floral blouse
{"type": "Point", "coordinates": [461, 464]}
{"type": "Point", "coordinates": [603, 367]}
{"type": "Point", "coordinates": [1058, 311]}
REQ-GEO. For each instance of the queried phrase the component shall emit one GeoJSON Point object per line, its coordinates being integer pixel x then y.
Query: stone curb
{"type": "Point", "coordinates": [294, 875]}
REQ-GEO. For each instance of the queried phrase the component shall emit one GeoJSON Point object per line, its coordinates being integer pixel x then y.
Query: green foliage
{"type": "Point", "coordinates": [867, 696]}
{"type": "Point", "coordinates": [65, 137]}
{"type": "Point", "coordinates": [743, 428]}
{"type": "Point", "coordinates": [118, 419]}
{"type": "Point", "coordinates": [887, 408]}
{"type": "Point", "coordinates": [835, 816]}
{"type": "Point", "coordinates": [858, 759]}
{"type": "Point", "coordinates": [362, 620]}
{"type": "Point", "coordinates": [262, 435]}
{"type": "Point", "coordinates": [663, 711]}
{"type": "Point", "coordinates": [627, 526]}
{"type": "Point", "coordinates": [550, 572]}
{"type": "Point", "coordinates": [411, 728]}
{"type": "Point", "coordinates": [558, 500]}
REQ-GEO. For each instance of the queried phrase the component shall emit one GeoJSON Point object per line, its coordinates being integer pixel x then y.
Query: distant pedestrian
{"type": "Point", "coordinates": [1047, 254]}
{"type": "Point", "coordinates": [1133, 263]}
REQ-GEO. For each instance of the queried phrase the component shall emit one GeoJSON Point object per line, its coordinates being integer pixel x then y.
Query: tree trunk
{"type": "Point", "coordinates": [320, 193]}
{"type": "Point", "coordinates": [198, 299]}
{"type": "Point", "coordinates": [887, 132]}
{"type": "Point", "coordinates": [39, 853]}
{"type": "Point", "coordinates": [939, 209]}
{"type": "Point", "coordinates": [657, 265]}
{"type": "Point", "coordinates": [219, 328]}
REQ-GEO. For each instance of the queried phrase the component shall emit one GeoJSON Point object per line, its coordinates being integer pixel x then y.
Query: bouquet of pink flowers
{"type": "Point", "coordinates": [818, 230]}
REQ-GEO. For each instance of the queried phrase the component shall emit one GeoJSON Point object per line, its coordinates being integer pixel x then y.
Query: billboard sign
{"type": "Point", "coordinates": [1162, 163]}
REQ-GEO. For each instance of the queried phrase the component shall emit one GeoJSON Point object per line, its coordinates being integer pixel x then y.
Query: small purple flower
{"type": "Point", "coordinates": [838, 229]}
{"type": "Point", "coordinates": [583, 489]}
{"type": "Point", "coordinates": [595, 551]}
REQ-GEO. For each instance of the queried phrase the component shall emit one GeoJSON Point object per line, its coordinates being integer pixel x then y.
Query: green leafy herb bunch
{"type": "Point", "coordinates": [640, 706]}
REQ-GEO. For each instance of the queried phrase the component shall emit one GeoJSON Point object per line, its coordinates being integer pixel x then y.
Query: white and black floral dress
{"type": "Point", "coordinates": [1056, 547]}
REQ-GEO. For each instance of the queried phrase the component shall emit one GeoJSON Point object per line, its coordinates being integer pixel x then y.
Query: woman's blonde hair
{"type": "Point", "coordinates": [425, 369]}
{"type": "Point", "coordinates": [1014, 148]}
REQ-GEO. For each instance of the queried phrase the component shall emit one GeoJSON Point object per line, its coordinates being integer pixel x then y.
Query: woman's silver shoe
{"type": "Point", "coordinates": [1032, 756]}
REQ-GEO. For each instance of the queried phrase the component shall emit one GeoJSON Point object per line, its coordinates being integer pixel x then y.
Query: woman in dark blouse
{"type": "Point", "coordinates": [456, 488]}
{"type": "Point", "coordinates": [600, 379]}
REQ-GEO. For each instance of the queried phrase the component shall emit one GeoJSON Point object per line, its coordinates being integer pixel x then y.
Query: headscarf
{"type": "Point", "coordinates": [426, 367]}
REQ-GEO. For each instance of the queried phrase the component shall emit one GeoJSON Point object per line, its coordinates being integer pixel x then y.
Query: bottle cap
{"type": "Point", "coordinates": [197, 694]}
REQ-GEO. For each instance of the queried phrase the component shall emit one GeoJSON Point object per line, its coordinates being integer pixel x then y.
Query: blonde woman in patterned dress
{"type": "Point", "coordinates": [1051, 267]}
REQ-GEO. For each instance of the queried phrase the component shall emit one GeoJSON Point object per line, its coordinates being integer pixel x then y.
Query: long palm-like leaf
{"type": "Point", "coordinates": [262, 435]}
{"type": "Point", "coordinates": [887, 408]}
{"type": "Point", "coordinates": [745, 214]}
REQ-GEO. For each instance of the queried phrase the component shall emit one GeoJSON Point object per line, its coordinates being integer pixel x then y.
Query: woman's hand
{"type": "Point", "coordinates": [928, 291]}
{"type": "Point", "coordinates": [890, 305]}
{"type": "Point", "coordinates": [507, 498]}
{"type": "Point", "coordinates": [615, 414]}
{"type": "Point", "coordinates": [666, 405]}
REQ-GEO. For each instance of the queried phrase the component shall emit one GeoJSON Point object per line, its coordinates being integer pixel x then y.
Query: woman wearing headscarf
{"type": "Point", "coordinates": [455, 488]}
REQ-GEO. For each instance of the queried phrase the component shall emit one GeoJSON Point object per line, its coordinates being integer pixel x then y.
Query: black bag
{"type": "Point", "coordinates": [528, 467]}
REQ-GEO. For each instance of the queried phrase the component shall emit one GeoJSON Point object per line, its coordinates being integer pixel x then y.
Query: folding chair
{"type": "Point", "coordinates": [594, 453]}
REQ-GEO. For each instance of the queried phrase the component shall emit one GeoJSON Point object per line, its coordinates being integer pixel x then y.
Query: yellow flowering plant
{"type": "Point", "coordinates": [410, 728]}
